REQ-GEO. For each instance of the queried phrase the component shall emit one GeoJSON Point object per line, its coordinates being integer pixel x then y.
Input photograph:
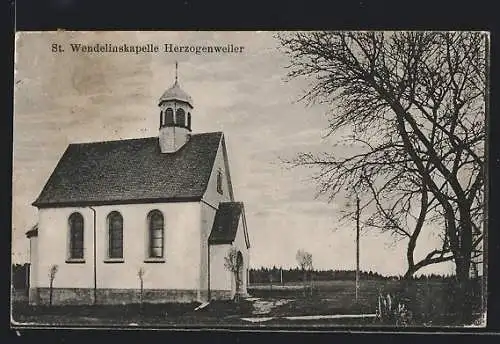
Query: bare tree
{"type": "Point", "coordinates": [140, 273]}
{"type": "Point", "coordinates": [232, 263]}
{"type": "Point", "coordinates": [52, 275]}
{"type": "Point", "coordinates": [413, 106]}
{"type": "Point", "coordinates": [304, 259]}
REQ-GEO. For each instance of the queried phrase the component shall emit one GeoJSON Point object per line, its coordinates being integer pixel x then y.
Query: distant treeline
{"type": "Point", "coordinates": [274, 275]}
{"type": "Point", "coordinates": [20, 275]}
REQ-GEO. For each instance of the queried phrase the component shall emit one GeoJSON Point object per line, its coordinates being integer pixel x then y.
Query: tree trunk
{"type": "Point", "coordinates": [409, 274]}
{"type": "Point", "coordinates": [305, 282]}
{"type": "Point", "coordinates": [237, 287]}
{"type": "Point", "coordinates": [463, 293]}
{"type": "Point", "coordinates": [142, 292]}
{"type": "Point", "coordinates": [310, 284]}
{"type": "Point", "coordinates": [50, 293]}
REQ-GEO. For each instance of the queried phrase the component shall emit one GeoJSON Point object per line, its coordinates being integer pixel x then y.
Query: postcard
{"type": "Point", "coordinates": [242, 179]}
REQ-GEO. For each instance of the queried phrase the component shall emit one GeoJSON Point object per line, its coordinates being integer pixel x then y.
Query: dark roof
{"type": "Point", "coordinates": [33, 232]}
{"type": "Point", "coordinates": [130, 171]}
{"type": "Point", "coordinates": [226, 223]}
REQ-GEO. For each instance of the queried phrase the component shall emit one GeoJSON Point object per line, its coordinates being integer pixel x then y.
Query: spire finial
{"type": "Point", "coordinates": [176, 71]}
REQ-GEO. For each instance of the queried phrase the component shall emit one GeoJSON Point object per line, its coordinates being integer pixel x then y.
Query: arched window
{"type": "Point", "coordinates": [189, 121]}
{"type": "Point", "coordinates": [169, 116]}
{"type": "Point", "coordinates": [115, 235]}
{"type": "Point", "coordinates": [180, 117]}
{"type": "Point", "coordinates": [156, 231]}
{"type": "Point", "coordinates": [219, 182]}
{"type": "Point", "coordinates": [76, 236]}
{"type": "Point", "coordinates": [162, 118]}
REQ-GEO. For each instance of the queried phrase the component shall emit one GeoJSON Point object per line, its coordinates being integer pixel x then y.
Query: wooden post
{"type": "Point", "coordinates": [142, 292]}
{"type": "Point", "coordinates": [27, 277]}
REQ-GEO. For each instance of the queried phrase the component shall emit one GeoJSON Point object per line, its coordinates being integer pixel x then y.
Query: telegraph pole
{"type": "Point", "coordinates": [357, 247]}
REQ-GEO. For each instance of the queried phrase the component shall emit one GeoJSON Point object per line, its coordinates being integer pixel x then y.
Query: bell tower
{"type": "Point", "coordinates": [175, 117]}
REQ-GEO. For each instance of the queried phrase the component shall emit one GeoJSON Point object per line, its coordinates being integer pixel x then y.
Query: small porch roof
{"type": "Point", "coordinates": [226, 223]}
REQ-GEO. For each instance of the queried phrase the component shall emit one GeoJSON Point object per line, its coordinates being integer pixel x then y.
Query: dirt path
{"type": "Point", "coordinates": [261, 307]}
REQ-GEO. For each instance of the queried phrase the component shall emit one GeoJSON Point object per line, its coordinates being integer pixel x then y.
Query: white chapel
{"type": "Point", "coordinates": [160, 207]}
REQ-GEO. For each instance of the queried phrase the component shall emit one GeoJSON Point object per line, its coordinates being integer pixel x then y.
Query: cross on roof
{"type": "Point", "coordinates": [176, 71]}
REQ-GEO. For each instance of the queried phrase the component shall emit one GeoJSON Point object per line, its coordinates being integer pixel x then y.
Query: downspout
{"type": "Point", "coordinates": [208, 250]}
{"type": "Point", "coordinates": [95, 259]}
{"type": "Point", "coordinates": [208, 264]}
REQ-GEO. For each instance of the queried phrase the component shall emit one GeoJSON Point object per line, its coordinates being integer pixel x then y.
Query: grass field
{"type": "Point", "coordinates": [343, 294]}
{"type": "Point", "coordinates": [178, 314]}
{"type": "Point", "coordinates": [431, 305]}
{"type": "Point", "coordinates": [430, 301]}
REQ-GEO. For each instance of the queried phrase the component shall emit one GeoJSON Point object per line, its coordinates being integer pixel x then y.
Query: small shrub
{"type": "Point", "coordinates": [140, 273]}
{"type": "Point", "coordinates": [52, 275]}
{"type": "Point", "coordinates": [393, 310]}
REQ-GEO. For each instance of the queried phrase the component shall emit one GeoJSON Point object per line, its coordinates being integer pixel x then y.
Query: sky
{"type": "Point", "coordinates": [66, 97]}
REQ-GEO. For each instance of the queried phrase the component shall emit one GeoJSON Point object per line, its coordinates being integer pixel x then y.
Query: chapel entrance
{"type": "Point", "coordinates": [239, 274]}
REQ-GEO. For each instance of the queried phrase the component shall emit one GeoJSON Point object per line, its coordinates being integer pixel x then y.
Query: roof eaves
{"type": "Point", "coordinates": [205, 187]}
{"type": "Point", "coordinates": [245, 228]}
{"type": "Point", "coordinates": [43, 204]}
{"type": "Point", "coordinates": [220, 241]}
{"type": "Point", "coordinates": [226, 165]}
{"type": "Point", "coordinates": [187, 102]}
